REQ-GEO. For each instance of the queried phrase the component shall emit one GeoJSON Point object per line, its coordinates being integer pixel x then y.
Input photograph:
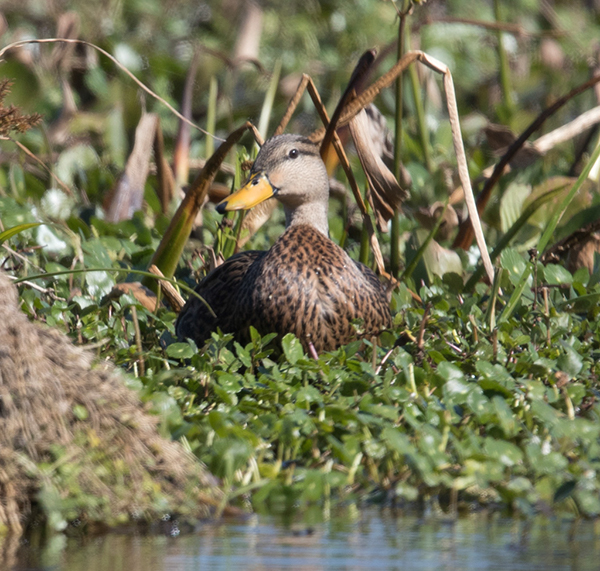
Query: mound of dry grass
{"type": "Point", "coordinates": [75, 441]}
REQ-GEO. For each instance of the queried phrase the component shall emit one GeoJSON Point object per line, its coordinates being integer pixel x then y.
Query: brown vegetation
{"type": "Point", "coordinates": [71, 430]}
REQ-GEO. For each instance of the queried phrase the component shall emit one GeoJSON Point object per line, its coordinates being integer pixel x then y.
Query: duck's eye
{"type": "Point", "coordinates": [293, 153]}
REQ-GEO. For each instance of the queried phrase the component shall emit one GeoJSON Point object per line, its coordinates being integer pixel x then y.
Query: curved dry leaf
{"type": "Point", "coordinates": [181, 152]}
{"type": "Point", "coordinates": [168, 289]}
{"type": "Point", "coordinates": [218, 192]}
{"type": "Point", "coordinates": [386, 195]}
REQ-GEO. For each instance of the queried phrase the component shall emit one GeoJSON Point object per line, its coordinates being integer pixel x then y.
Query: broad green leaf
{"type": "Point", "coordinates": [556, 275]}
{"type": "Point", "coordinates": [513, 261]}
{"type": "Point", "coordinates": [511, 204]}
{"type": "Point", "coordinates": [570, 362]}
{"type": "Point", "coordinates": [292, 348]}
{"type": "Point", "coordinates": [505, 452]}
{"type": "Point", "coordinates": [180, 351]}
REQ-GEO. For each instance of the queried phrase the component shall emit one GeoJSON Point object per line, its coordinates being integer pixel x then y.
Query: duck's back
{"type": "Point", "coordinates": [307, 285]}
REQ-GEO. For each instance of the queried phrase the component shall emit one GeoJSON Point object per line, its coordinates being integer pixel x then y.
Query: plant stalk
{"type": "Point", "coordinates": [420, 111]}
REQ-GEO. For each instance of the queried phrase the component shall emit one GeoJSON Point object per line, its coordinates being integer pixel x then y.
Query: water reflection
{"type": "Point", "coordinates": [370, 539]}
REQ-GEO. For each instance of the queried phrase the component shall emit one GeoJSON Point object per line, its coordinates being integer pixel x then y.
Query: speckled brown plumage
{"type": "Point", "coordinates": [305, 284]}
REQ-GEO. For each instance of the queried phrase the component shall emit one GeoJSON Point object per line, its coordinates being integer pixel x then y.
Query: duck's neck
{"type": "Point", "coordinates": [313, 214]}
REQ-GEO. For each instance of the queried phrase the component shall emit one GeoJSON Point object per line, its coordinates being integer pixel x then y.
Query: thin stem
{"type": "Point", "coordinates": [363, 256]}
{"type": "Point", "coordinates": [503, 60]}
{"type": "Point", "coordinates": [265, 113]}
{"type": "Point", "coordinates": [420, 111]}
{"type": "Point", "coordinates": [211, 115]}
{"type": "Point", "coordinates": [395, 237]}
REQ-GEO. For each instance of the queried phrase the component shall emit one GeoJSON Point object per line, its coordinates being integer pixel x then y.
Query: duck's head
{"type": "Point", "coordinates": [290, 168]}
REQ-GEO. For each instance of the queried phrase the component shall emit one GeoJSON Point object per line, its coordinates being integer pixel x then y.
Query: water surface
{"type": "Point", "coordinates": [370, 539]}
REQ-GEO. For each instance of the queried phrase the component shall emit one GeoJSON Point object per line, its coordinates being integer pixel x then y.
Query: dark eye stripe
{"type": "Point", "coordinates": [306, 152]}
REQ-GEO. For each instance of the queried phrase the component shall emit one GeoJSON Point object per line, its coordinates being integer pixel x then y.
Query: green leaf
{"type": "Point", "coordinates": [576, 392]}
{"type": "Point", "coordinates": [80, 412]}
{"type": "Point", "coordinates": [588, 501]}
{"type": "Point", "coordinates": [454, 386]}
{"type": "Point", "coordinates": [229, 382]}
{"type": "Point", "coordinates": [242, 354]}
{"type": "Point", "coordinates": [564, 491]}
{"type": "Point", "coordinates": [571, 362]}
{"type": "Point", "coordinates": [556, 275]}
{"type": "Point", "coordinates": [397, 441]}
{"type": "Point", "coordinates": [505, 452]}
{"type": "Point", "coordinates": [490, 387]}
{"type": "Point", "coordinates": [229, 455]}
{"type": "Point", "coordinates": [292, 348]}
{"type": "Point", "coordinates": [506, 417]}
{"type": "Point", "coordinates": [180, 351]}
{"type": "Point", "coordinates": [513, 261]}
{"type": "Point", "coordinates": [511, 204]}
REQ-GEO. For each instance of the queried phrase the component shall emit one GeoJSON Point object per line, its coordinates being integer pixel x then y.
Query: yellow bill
{"type": "Point", "coordinates": [256, 190]}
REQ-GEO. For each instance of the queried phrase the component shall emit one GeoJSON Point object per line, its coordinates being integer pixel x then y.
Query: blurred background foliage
{"type": "Point", "coordinates": [91, 109]}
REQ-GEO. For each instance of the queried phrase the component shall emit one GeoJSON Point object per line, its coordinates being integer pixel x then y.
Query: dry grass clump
{"type": "Point", "coordinates": [76, 441]}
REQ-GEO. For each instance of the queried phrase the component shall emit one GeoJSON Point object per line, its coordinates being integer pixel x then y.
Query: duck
{"type": "Point", "coordinates": [305, 283]}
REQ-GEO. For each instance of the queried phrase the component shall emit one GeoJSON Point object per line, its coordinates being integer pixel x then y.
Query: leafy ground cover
{"type": "Point", "coordinates": [480, 395]}
{"type": "Point", "coordinates": [443, 409]}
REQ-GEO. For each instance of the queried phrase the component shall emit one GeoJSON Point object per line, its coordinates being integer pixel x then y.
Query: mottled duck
{"type": "Point", "coordinates": [305, 284]}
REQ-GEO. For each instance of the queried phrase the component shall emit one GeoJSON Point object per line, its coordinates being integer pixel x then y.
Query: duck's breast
{"type": "Point", "coordinates": [309, 286]}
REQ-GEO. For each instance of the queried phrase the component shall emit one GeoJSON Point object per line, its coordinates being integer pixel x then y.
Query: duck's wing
{"type": "Point", "coordinates": [221, 291]}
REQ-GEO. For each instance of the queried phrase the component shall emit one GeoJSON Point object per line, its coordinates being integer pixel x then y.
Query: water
{"type": "Point", "coordinates": [372, 539]}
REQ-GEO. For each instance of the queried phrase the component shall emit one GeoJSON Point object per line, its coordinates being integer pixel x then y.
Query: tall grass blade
{"type": "Point", "coordinates": [10, 232]}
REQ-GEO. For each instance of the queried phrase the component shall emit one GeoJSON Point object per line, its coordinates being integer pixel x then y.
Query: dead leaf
{"type": "Point", "coordinates": [68, 27]}
{"type": "Point", "coordinates": [127, 196]}
{"type": "Point", "coordinates": [181, 153]}
{"type": "Point", "coordinates": [164, 175]}
{"type": "Point", "coordinates": [386, 195]}
{"type": "Point", "coordinates": [218, 192]}
{"type": "Point", "coordinates": [552, 54]}
{"type": "Point", "coordinates": [428, 218]}
{"type": "Point", "coordinates": [500, 138]}
{"type": "Point", "coordinates": [562, 379]}
{"type": "Point", "coordinates": [577, 250]}
{"type": "Point", "coordinates": [249, 33]}
{"type": "Point", "coordinates": [171, 294]}
{"type": "Point", "coordinates": [137, 290]}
